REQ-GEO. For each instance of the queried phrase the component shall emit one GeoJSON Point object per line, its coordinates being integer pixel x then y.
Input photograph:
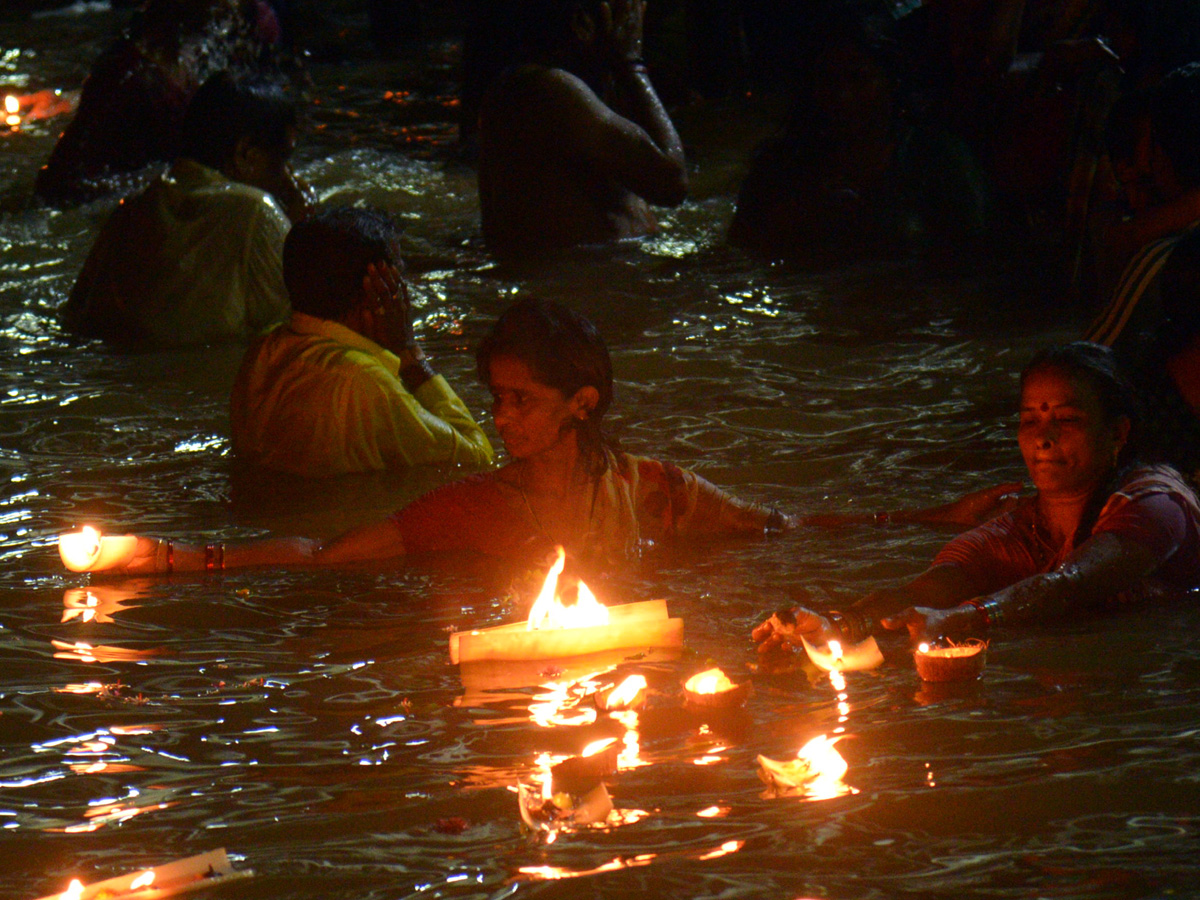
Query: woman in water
{"type": "Point", "coordinates": [550, 378]}
{"type": "Point", "coordinates": [1100, 528]}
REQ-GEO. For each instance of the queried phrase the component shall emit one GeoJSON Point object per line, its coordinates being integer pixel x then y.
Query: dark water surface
{"type": "Point", "coordinates": [310, 722]}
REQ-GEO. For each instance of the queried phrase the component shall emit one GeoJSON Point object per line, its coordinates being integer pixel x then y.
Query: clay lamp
{"type": "Point", "coordinates": [953, 662]}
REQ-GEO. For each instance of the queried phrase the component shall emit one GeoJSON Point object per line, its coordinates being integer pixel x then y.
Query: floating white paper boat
{"type": "Point", "coordinates": [853, 657]}
{"type": "Point", "coordinates": [630, 625]}
{"type": "Point", "coordinates": [168, 880]}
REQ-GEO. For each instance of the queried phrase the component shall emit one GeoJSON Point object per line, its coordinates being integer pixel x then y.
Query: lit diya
{"type": "Point", "coordinates": [90, 551]}
{"type": "Point", "coordinates": [12, 111]}
{"type": "Point", "coordinates": [712, 689]}
{"type": "Point", "coordinates": [953, 662]}
{"type": "Point", "coordinates": [179, 877]}
{"type": "Point", "coordinates": [816, 772]}
{"type": "Point", "coordinates": [555, 630]}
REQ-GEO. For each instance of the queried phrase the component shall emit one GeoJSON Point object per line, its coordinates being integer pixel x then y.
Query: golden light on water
{"type": "Point", "coordinates": [142, 881]}
{"type": "Point", "coordinates": [12, 108]}
{"type": "Point", "coordinates": [559, 704]}
{"type": "Point", "coordinates": [724, 850]}
{"type": "Point", "coordinates": [74, 892]}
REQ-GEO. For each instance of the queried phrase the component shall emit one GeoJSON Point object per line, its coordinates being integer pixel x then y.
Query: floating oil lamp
{"type": "Point", "coordinates": [954, 662]}
{"type": "Point", "coordinates": [557, 631]}
{"type": "Point", "coordinates": [815, 773]}
{"type": "Point", "coordinates": [90, 551]}
{"type": "Point", "coordinates": [712, 689]}
{"type": "Point", "coordinates": [178, 877]}
{"type": "Point", "coordinates": [12, 112]}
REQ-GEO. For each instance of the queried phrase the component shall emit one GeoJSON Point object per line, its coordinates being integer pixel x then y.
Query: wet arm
{"type": "Point", "coordinates": [966, 512]}
{"type": "Point", "coordinates": [716, 512]}
{"type": "Point", "coordinates": [642, 152]}
{"type": "Point", "coordinates": [376, 541]}
{"type": "Point", "coordinates": [1104, 565]}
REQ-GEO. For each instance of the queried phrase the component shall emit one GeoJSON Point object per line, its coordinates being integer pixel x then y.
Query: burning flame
{"type": "Point", "coordinates": [549, 612]}
{"type": "Point", "coordinates": [144, 880]}
{"type": "Point", "coordinates": [12, 106]}
{"type": "Point", "coordinates": [713, 681]}
{"type": "Point", "coordinates": [74, 892]}
{"type": "Point", "coordinates": [827, 765]}
{"type": "Point", "coordinates": [626, 692]}
{"type": "Point", "coordinates": [816, 771]}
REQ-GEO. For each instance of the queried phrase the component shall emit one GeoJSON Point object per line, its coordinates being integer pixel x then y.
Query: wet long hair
{"type": "Point", "coordinates": [564, 351]}
{"type": "Point", "coordinates": [1096, 366]}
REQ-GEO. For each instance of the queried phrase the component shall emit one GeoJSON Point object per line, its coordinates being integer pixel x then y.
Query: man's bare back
{"type": "Point", "coordinates": [560, 166]}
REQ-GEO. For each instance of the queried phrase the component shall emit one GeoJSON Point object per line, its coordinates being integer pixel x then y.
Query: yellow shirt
{"type": "Point", "coordinates": [194, 258]}
{"type": "Point", "coordinates": [315, 398]}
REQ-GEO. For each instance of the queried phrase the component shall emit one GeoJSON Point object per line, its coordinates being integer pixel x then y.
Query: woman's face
{"type": "Point", "coordinates": [1068, 445]}
{"type": "Point", "coordinates": [532, 418]}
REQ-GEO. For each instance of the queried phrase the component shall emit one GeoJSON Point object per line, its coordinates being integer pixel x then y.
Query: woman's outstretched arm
{"type": "Point", "coordinates": [376, 541]}
{"type": "Point", "coordinates": [1104, 565]}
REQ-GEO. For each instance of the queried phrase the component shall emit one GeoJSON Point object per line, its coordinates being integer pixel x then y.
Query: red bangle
{"type": "Point", "coordinates": [982, 610]}
{"type": "Point", "coordinates": [214, 557]}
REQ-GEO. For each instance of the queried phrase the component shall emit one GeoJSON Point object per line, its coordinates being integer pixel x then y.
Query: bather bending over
{"type": "Point", "coordinates": [1100, 529]}
{"type": "Point", "coordinates": [575, 143]}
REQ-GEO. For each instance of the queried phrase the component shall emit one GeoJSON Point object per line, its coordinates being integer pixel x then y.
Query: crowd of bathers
{"type": "Point", "coordinates": [938, 129]}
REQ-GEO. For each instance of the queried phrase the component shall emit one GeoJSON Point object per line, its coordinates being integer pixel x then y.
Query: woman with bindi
{"type": "Point", "coordinates": [1100, 529]}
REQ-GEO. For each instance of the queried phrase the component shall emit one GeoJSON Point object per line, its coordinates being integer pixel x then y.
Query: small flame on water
{"type": "Point", "coordinates": [12, 106]}
{"type": "Point", "coordinates": [712, 681]}
{"type": "Point", "coordinates": [74, 891]}
{"type": "Point", "coordinates": [923, 647]}
{"type": "Point", "coordinates": [549, 612]}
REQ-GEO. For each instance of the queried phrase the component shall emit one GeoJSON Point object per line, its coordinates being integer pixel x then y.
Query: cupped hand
{"type": "Point", "coordinates": [148, 558]}
{"type": "Point", "coordinates": [923, 623]}
{"type": "Point", "coordinates": [621, 25]}
{"type": "Point", "coordinates": [782, 630]}
{"type": "Point", "coordinates": [385, 311]}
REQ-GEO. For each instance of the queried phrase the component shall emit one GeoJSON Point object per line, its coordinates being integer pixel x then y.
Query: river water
{"type": "Point", "coordinates": [311, 723]}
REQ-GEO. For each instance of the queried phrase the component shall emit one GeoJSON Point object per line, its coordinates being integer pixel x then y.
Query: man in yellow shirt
{"type": "Point", "coordinates": [343, 386]}
{"type": "Point", "coordinates": [196, 257]}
